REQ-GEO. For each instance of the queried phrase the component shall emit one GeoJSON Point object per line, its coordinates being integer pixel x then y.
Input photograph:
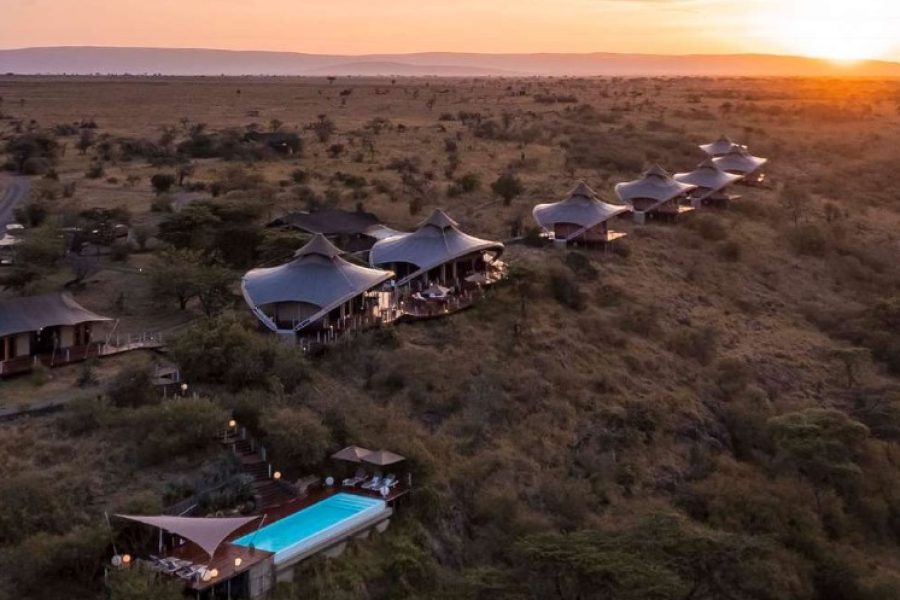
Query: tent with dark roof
{"type": "Point", "coordinates": [581, 216]}
{"type": "Point", "coordinates": [437, 250]}
{"type": "Point", "coordinates": [44, 324]}
{"type": "Point", "coordinates": [352, 231]}
{"type": "Point", "coordinates": [317, 289]}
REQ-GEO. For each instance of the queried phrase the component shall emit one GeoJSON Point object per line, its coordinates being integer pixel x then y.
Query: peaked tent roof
{"type": "Point", "coordinates": [656, 184]}
{"type": "Point", "coordinates": [708, 175]}
{"type": "Point", "coordinates": [739, 160]}
{"type": "Point", "coordinates": [351, 454]}
{"type": "Point", "coordinates": [436, 241]}
{"type": "Point", "coordinates": [317, 275]}
{"type": "Point", "coordinates": [581, 207]}
{"type": "Point", "coordinates": [19, 315]}
{"type": "Point", "coordinates": [208, 533]}
{"type": "Point", "coordinates": [719, 147]}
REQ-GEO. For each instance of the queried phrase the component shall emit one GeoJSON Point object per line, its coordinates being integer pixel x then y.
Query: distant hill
{"type": "Point", "coordinates": [174, 61]}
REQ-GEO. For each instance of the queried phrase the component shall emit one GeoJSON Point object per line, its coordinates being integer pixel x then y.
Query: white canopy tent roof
{"type": "Point", "coordinates": [437, 240]}
{"type": "Point", "coordinates": [208, 533]}
{"type": "Point", "coordinates": [582, 207]}
{"type": "Point", "coordinates": [739, 160]}
{"type": "Point", "coordinates": [719, 147]}
{"type": "Point", "coordinates": [708, 175]}
{"type": "Point", "coordinates": [317, 275]}
{"type": "Point", "coordinates": [656, 185]}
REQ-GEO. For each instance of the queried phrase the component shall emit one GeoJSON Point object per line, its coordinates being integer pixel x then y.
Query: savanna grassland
{"type": "Point", "coordinates": [711, 409]}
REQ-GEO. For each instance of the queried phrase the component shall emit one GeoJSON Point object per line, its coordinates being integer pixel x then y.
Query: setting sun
{"type": "Point", "coordinates": [841, 30]}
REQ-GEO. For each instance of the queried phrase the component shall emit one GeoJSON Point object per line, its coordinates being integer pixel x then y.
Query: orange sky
{"type": "Point", "coordinates": [833, 28]}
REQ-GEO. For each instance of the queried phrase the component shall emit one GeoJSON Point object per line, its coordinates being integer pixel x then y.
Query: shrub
{"type": "Point", "coordinates": [222, 350]}
{"type": "Point", "coordinates": [507, 186]}
{"type": "Point", "coordinates": [132, 387]}
{"type": "Point", "coordinates": [698, 344]}
{"type": "Point", "coordinates": [710, 228]}
{"type": "Point", "coordinates": [566, 291]}
{"type": "Point", "coordinates": [175, 428]}
{"type": "Point", "coordinates": [729, 251]}
{"type": "Point", "coordinates": [807, 239]}
{"type": "Point", "coordinates": [298, 438]}
{"type": "Point", "coordinates": [162, 182]}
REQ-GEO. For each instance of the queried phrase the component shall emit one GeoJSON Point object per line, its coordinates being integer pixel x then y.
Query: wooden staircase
{"type": "Point", "coordinates": [267, 491]}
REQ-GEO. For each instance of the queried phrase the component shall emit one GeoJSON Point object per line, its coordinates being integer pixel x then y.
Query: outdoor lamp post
{"type": "Point", "coordinates": [184, 389]}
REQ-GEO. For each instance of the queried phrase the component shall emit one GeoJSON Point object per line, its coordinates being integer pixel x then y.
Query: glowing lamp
{"type": "Point", "coordinates": [232, 424]}
{"type": "Point", "coordinates": [276, 475]}
{"type": "Point", "coordinates": [237, 562]}
{"type": "Point", "coordinates": [126, 559]}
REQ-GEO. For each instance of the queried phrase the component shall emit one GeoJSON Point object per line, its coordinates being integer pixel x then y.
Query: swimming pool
{"type": "Point", "coordinates": [315, 524]}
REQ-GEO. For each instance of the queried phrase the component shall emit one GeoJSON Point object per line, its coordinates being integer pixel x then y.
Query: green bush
{"type": "Point", "coordinates": [171, 430]}
{"type": "Point", "coordinates": [132, 387]}
{"type": "Point", "coordinates": [566, 290]}
{"type": "Point", "coordinates": [222, 350]}
{"type": "Point", "coordinates": [298, 439]}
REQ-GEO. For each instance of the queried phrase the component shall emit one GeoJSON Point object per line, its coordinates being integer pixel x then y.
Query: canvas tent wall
{"type": "Point", "coordinates": [580, 216]}
{"type": "Point", "coordinates": [437, 250]}
{"type": "Point", "coordinates": [304, 292]}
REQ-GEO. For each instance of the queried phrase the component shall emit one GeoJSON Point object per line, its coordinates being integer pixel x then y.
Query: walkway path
{"type": "Point", "coordinates": [14, 192]}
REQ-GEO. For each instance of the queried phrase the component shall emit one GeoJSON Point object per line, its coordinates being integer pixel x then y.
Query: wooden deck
{"type": "Point", "coordinates": [224, 558]}
{"type": "Point", "coordinates": [75, 354]}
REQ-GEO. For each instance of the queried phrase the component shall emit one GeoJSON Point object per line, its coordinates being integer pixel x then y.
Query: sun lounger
{"type": "Point", "coordinates": [374, 484]}
{"type": "Point", "coordinates": [356, 479]}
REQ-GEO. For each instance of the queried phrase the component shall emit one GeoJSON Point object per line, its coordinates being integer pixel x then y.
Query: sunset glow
{"type": "Point", "coordinates": [836, 29]}
{"type": "Point", "coordinates": [843, 30]}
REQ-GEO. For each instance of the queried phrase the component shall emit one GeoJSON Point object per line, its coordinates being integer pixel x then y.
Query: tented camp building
{"type": "Point", "coordinates": [318, 293]}
{"type": "Point", "coordinates": [351, 231]}
{"type": "Point", "coordinates": [711, 183]}
{"type": "Point", "coordinates": [438, 252]}
{"type": "Point", "coordinates": [739, 161]}
{"type": "Point", "coordinates": [655, 195]}
{"type": "Point", "coordinates": [52, 328]}
{"type": "Point", "coordinates": [720, 147]}
{"type": "Point", "coordinates": [580, 218]}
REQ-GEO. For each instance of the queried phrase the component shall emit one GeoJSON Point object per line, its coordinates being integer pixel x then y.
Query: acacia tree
{"type": "Point", "coordinates": [507, 186]}
{"type": "Point", "coordinates": [821, 444]}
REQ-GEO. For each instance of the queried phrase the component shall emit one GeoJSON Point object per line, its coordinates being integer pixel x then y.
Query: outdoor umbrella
{"type": "Point", "coordinates": [383, 458]}
{"type": "Point", "coordinates": [352, 454]}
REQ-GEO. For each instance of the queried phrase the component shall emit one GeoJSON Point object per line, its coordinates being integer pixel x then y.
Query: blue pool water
{"type": "Point", "coordinates": [303, 525]}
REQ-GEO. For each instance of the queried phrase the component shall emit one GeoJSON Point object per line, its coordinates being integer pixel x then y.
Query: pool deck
{"type": "Point", "coordinates": [223, 560]}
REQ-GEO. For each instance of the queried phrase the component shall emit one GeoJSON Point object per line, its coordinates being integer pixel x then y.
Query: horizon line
{"type": "Point", "coordinates": [457, 52]}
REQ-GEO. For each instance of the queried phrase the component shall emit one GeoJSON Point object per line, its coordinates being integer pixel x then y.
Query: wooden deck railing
{"type": "Point", "coordinates": [74, 354]}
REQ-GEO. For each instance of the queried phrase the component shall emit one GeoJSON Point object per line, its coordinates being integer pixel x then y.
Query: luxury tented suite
{"type": "Point", "coordinates": [318, 293]}
{"type": "Point", "coordinates": [739, 161]}
{"type": "Point", "coordinates": [720, 147]}
{"type": "Point", "coordinates": [580, 218]}
{"type": "Point", "coordinates": [655, 195]}
{"type": "Point", "coordinates": [711, 184]}
{"type": "Point", "coordinates": [438, 252]}
{"type": "Point", "coordinates": [52, 328]}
